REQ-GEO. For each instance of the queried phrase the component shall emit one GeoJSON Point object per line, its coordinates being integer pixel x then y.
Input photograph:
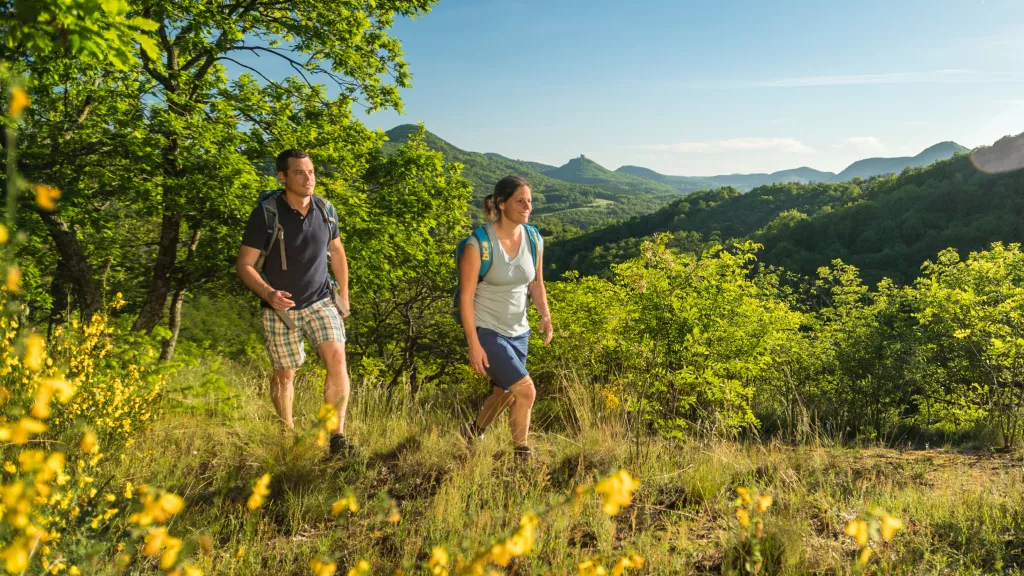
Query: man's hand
{"type": "Point", "coordinates": [279, 299]}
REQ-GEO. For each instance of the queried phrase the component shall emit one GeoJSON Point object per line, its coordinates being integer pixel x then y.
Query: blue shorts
{"type": "Point", "coordinates": [506, 356]}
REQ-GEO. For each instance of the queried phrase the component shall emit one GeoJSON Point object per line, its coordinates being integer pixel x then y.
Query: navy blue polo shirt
{"type": "Point", "coordinates": [305, 242]}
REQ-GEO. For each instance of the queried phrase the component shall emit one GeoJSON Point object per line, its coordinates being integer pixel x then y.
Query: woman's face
{"type": "Point", "coordinates": [518, 207]}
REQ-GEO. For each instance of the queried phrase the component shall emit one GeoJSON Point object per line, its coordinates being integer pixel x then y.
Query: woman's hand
{"type": "Point", "coordinates": [478, 358]}
{"type": "Point", "coordinates": [546, 329]}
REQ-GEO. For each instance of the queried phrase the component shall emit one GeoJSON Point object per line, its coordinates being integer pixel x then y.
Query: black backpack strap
{"type": "Point", "coordinates": [274, 232]}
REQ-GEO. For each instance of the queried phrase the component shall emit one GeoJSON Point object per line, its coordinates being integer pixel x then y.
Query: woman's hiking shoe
{"type": "Point", "coordinates": [339, 446]}
{"type": "Point", "coordinates": [470, 433]}
{"type": "Point", "coordinates": [523, 453]}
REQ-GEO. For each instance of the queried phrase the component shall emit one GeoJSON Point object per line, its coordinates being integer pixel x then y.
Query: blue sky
{"type": "Point", "coordinates": [710, 87]}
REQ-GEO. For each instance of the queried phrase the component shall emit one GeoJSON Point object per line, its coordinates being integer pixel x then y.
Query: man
{"type": "Point", "coordinates": [296, 289]}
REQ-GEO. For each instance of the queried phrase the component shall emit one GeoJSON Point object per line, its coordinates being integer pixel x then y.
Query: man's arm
{"type": "Point", "coordinates": [245, 267]}
{"type": "Point", "coordinates": [339, 266]}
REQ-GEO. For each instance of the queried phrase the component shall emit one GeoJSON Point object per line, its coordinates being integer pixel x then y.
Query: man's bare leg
{"type": "Point", "coordinates": [336, 385]}
{"type": "Point", "coordinates": [495, 404]}
{"type": "Point", "coordinates": [281, 394]}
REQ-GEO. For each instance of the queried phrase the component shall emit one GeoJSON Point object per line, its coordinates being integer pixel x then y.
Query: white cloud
{"type": "Point", "coordinates": [864, 143]}
{"type": "Point", "coordinates": [730, 145]}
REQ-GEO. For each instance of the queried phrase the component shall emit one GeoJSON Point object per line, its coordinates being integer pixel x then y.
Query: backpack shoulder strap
{"type": "Point", "coordinates": [486, 250]}
{"type": "Point", "coordinates": [329, 214]}
{"type": "Point", "coordinates": [268, 202]}
{"type": "Point", "coordinates": [535, 241]}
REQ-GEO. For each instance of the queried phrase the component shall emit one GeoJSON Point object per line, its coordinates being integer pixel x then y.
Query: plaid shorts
{"type": "Point", "coordinates": [320, 322]}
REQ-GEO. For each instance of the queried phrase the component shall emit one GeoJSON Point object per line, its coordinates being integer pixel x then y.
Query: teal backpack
{"type": "Point", "coordinates": [486, 257]}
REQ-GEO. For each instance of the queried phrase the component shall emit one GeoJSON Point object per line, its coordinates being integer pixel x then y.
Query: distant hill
{"type": "Point", "coordinates": [742, 182]}
{"type": "Point", "coordinates": [885, 225]}
{"type": "Point", "coordinates": [878, 166]}
{"type": "Point", "coordinates": [562, 208]}
{"type": "Point", "coordinates": [583, 170]}
{"type": "Point", "coordinates": [680, 183]}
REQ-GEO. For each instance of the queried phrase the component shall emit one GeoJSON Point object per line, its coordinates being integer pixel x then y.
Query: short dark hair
{"type": "Point", "coordinates": [284, 157]}
{"type": "Point", "coordinates": [503, 190]}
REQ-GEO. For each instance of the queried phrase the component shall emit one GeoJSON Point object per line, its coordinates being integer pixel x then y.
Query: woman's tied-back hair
{"type": "Point", "coordinates": [503, 190]}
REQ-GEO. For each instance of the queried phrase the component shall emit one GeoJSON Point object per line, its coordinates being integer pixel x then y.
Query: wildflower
{"type": "Point", "coordinates": [394, 517]}
{"type": "Point", "coordinates": [743, 516]}
{"type": "Point", "coordinates": [13, 283]}
{"type": "Point", "coordinates": [345, 503]}
{"type": "Point", "coordinates": [259, 491]}
{"type": "Point", "coordinates": [128, 489]}
{"type": "Point", "coordinates": [744, 495]}
{"type": "Point", "coordinates": [154, 542]}
{"type": "Point", "coordinates": [89, 443]}
{"type": "Point", "coordinates": [591, 568]}
{"type": "Point", "coordinates": [763, 504]}
{"type": "Point", "coordinates": [34, 345]}
{"type": "Point", "coordinates": [438, 562]}
{"type": "Point", "coordinates": [20, 432]}
{"type": "Point", "coordinates": [240, 552]}
{"type": "Point", "coordinates": [16, 556]}
{"type": "Point", "coordinates": [889, 526]}
{"type": "Point", "coordinates": [858, 530]}
{"type": "Point", "coordinates": [19, 101]}
{"type": "Point", "coordinates": [362, 568]}
{"type": "Point", "coordinates": [621, 564]}
{"type": "Point", "coordinates": [865, 555]}
{"type": "Point", "coordinates": [617, 491]}
{"type": "Point", "coordinates": [171, 550]}
{"type": "Point", "coordinates": [3, 234]}
{"type": "Point", "coordinates": [322, 569]}
{"type": "Point", "coordinates": [46, 196]}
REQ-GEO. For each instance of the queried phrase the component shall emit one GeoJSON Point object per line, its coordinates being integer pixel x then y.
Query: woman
{"type": "Point", "coordinates": [493, 310]}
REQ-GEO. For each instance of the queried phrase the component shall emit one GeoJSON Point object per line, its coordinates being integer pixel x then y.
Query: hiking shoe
{"type": "Point", "coordinates": [339, 446]}
{"type": "Point", "coordinates": [523, 453]}
{"type": "Point", "coordinates": [470, 433]}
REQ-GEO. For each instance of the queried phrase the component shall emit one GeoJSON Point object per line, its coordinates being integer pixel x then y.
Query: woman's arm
{"type": "Point", "coordinates": [469, 275]}
{"type": "Point", "coordinates": [539, 295]}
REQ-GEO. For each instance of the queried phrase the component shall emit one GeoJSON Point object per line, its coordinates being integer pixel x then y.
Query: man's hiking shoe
{"type": "Point", "coordinates": [470, 433]}
{"type": "Point", "coordinates": [339, 446]}
{"type": "Point", "coordinates": [523, 453]}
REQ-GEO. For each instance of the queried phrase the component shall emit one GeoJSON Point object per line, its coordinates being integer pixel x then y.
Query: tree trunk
{"type": "Point", "coordinates": [160, 284]}
{"type": "Point", "coordinates": [174, 320]}
{"type": "Point", "coordinates": [73, 264]}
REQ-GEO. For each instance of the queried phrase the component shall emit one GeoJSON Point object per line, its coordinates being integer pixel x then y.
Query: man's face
{"type": "Point", "coordinates": [300, 178]}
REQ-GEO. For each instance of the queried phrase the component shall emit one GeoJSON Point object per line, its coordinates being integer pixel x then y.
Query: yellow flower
{"type": "Point", "coordinates": [743, 516]}
{"type": "Point", "coordinates": [889, 526]}
{"type": "Point", "coordinates": [240, 552]}
{"type": "Point", "coordinates": [329, 415]}
{"type": "Point", "coordinates": [321, 569]}
{"type": "Point", "coordinates": [865, 555]}
{"type": "Point", "coordinates": [128, 489]}
{"type": "Point", "coordinates": [16, 556]}
{"type": "Point", "coordinates": [394, 517]}
{"type": "Point", "coordinates": [3, 234]}
{"type": "Point", "coordinates": [362, 568]}
{"type": "Point", "coordinates": [19, 101]}
{"type": "Point", "coordinates": [170, 557]}
{"type": "Point", "coordinates": [858, 530]}
{"type": "Point", "coordinates": [744, 495]}
{"type": "Point", "coordinates": [46, 196]}
{"type": "Point", "coordinates": [763, 504]}
{"type": "Point", "coordinates": [13, 283]}
{"type": "Point", "coordinates": [617, 491]}
{"type": "Point", "coordinates": [34, 347]}
{"type": "Point", "coordinates": [9, 467]}
{"type": "Point", "coordinates": [621, 564]}
{"type": "Point", "coordinates": [590, 568]}
{"type": "Point", "coordinates": [155, 541]}
{"type": "Point", "coordinates": [89, 443]}
{"type": "Point", "coordinates": [20, 432]}
{"type": "Point", "coordinates": [438, 562]}
{"type": "Point", "coordinates": [259, 491]}
{"type": "Point", "coordinates": [345, 503]}
{"type": "Point", "coordinates": [74, 571]}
